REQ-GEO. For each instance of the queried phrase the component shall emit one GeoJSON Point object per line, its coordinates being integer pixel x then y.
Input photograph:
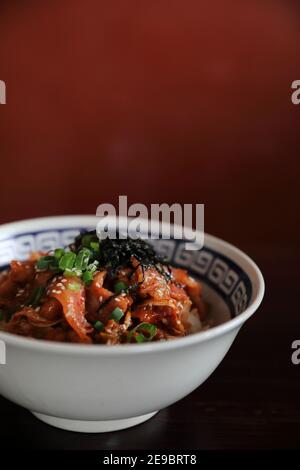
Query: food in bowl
{"type": "Point", "coordinates": [101, 292]}
{"type": "Point", "coordinates": [39, 375]}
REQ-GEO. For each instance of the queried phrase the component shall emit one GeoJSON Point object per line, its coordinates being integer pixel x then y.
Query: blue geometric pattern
{"type": "Point", "coordinates": [223, 275]}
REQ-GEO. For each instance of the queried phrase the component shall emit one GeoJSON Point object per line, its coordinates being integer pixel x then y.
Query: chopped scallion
{"type": "Point", "coordinates": [72, 272]}
{"type": "Point", "coordinates": [87, 277]}
{"type": "Point", "coordinates": [98, 325]}
{"type": "Point", "coordinates": [86, 240]}
{"type": "Point", "coordinates": [140, 329]}
{"type": "Point", "coordinates": [58, 253]}
{"type": "Point", "coordinates": [75, 286]}
{"type": "Point", "coordinates": [82, 259]}
{"type": "Point", "coordinates": [139, 338]}
{"type": "Point", "coordinates": [67, 261]}
{"type": "Point", "coordinates": [95, 246]}
{"type": "Point", "coordinates": [116, 314]}
{"type": "Point", "coordinates": [37, 295]}
{"type": "Point", "coordinates": [93, 266]}
{"type": "Point", "coordinates": [44, 262]}
{"type": "Point", "coordinates": [119, 287]}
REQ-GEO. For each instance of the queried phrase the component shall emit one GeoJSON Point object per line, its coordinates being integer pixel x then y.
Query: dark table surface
{"type": "Point", "coordinates": [252, 401]}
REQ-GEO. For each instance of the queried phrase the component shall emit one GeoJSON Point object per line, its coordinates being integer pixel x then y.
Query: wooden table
{"type": "Point", "coordinates": [252, 401]}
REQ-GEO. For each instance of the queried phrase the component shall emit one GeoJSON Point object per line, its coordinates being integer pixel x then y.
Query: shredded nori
{"type": "Point", "coordinates": [117, 253]}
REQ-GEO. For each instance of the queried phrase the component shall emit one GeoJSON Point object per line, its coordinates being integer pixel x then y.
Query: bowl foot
{"type": "Point", "coordinates": [93, 426]}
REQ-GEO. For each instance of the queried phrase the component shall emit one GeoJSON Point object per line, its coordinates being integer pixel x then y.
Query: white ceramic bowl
{"type": "Point", "coordinates": [98, 388]}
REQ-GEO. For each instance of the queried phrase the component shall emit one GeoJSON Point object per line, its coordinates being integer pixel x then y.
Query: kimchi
{"type": "Point", "coordinates": [100, 292]}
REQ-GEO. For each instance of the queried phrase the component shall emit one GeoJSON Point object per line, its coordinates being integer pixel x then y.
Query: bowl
{"type": "Point", "coordinates": [99, 388]}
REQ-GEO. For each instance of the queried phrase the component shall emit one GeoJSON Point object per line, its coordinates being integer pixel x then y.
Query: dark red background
{"type": "Point", "coordinates": [167, 101]}
{"type": "Point", "coordinates": [162, 101]}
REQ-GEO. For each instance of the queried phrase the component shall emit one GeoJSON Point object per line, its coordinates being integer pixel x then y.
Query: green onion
{"type": "Point", "coordinates": [86, 240]}
{"type": "Point", "coordinates": [98, 325]}
{"type": "Point", "coordinates": [95, 246]}
{"type": "Point", "coordinates": [140, 338]}
{"type": "Point", "coordinates": [58, 253]}
{"type": "Point", "coordinates": [37, 295]}
{"type": "Point", "coordinates": [44, 262]}
{"type": "Point", "coordinates": [140, 330]}
{"type": "Point", "coordinates": [116, 314]}
{"type": "Point", "coordinates": [72, 272]}
{"type": "Point", "coordinates": [119, 287]}
{"type": "Point", "coordinates": [67, 261]}
{"type": "Point", "coordinates": [93, 266]}
{"type": "Point", "coordinates": [82, 259]}
{"type": "Point", "coordinates": [10, 313]}
{"type": "Point", "coordinates": [75, 286]}
{"type": "Point", "coordinates": [77, 272]}
{"type": "Point", "coordinates": [149, 328]}
{"type": "Point", "coordinates": [53, 265]}
{"type": "Point", "coordinates": [87, 277]}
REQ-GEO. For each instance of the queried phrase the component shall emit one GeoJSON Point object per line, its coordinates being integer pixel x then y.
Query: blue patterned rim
{"type": "Point", "coordinates": [219, 272]}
